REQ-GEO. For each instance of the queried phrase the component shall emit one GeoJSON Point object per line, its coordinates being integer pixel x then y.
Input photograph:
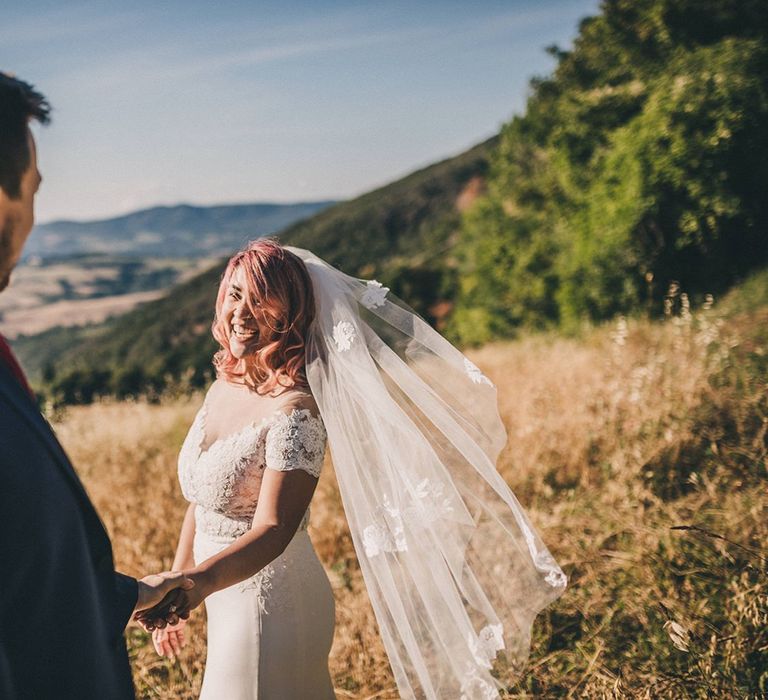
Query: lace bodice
{"type": "Point", "coordinates": [224, 480]}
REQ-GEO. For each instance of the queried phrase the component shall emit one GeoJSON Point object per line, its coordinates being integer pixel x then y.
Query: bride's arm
{"type": "Point", "coordinates": [283, 499]}
{"type": "Point", "coordinates": [170, 640]}
{"type": "Point", "coordinates": [184, 558]}
{"type": "Point", "coordinates": [294, 451]}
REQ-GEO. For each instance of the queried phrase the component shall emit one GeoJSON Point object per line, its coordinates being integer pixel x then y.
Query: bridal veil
{"type": "Point", "coordinates": [454, 570]}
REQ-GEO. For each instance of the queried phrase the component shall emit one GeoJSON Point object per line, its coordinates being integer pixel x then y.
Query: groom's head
{"type": "Point", "coordinates": [19, 177]}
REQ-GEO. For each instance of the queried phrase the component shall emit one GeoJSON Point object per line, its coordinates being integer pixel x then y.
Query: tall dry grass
{"type": "Point", "coordinates": [640, 452]}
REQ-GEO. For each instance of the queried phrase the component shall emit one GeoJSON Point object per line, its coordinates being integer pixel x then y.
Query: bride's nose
{"type": "Point", "coordinates": [240, 311]}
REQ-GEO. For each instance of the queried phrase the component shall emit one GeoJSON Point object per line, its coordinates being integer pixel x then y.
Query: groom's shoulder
{"type": "Point", "coordinates": [26, 437]}
{"type": "Point", "coordinates": [23, 451]}
{"type": "Point", "coordinates": [17, 429]}
{"type": "Point", "coordinates": [13, 405]}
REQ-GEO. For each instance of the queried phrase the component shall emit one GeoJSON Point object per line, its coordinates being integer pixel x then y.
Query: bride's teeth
{"type": "Point", "coordinates": [242, 332]}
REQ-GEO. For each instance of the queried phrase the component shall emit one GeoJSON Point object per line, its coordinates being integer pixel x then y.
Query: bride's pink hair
{"type": "Point", "coordinates": [279, 281]}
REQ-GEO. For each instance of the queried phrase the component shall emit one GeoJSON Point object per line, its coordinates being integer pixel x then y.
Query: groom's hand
{"type": "Point", "coordinates": [167, 587]}
{"type": "Point", "coordinates": [175, 605]}
{"type": "Point", "coordinates": [169, 611]}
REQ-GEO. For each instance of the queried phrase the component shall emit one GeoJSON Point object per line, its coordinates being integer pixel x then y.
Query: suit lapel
{"type": "Point", "coordinates": [15, 394]}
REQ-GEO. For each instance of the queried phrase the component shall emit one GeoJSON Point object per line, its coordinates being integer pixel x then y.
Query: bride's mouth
{"type": "Point", "coordinates": [243, 333]}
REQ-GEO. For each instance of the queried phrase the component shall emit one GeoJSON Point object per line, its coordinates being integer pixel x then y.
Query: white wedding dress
{"type": "Point", "coordinates": [269, 636]}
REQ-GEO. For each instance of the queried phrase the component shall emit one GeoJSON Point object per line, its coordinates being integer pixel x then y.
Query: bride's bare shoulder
{"type": "Point", "coordinates": [215, 388]}
{"type": "Point", "coordinates": [302, 398]}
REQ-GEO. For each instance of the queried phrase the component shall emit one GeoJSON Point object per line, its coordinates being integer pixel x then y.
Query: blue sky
{"type": "Point", "coordinates": [202, 102]}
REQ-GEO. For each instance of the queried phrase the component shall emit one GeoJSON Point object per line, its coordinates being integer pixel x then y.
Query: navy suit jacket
{"type": "Point", "coordinates": [63, 607]}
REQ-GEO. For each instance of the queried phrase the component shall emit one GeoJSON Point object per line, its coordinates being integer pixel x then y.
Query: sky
{"type": "Point", "coordinates": [247, 101]}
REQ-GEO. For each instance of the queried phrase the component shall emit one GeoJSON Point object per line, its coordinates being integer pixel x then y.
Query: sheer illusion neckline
{"type": "Point", "coordinates": [255, 425]}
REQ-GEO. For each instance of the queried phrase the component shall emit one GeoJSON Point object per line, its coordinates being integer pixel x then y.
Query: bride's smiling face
{"type": "Point", "coordinates": [242, 328]}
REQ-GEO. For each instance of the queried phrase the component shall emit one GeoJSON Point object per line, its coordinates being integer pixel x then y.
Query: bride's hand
{"type": "Point", "coordinates": [169, 640]}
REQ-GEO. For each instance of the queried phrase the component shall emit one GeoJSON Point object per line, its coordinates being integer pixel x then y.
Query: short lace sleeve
{"type": "Point", "coordinates": [296, 440]}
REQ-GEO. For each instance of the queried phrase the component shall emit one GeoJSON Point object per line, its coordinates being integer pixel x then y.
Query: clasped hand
{"type": "Point", "coordinates": [164, 603]}
{"type": "Point", "coordinates": [170, 608]}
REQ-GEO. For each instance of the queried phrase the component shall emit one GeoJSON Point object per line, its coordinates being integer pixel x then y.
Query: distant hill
{"type": "Point", "coordinates": [401, 234]}
{"type": "Point", "coordinates": [176, 231]}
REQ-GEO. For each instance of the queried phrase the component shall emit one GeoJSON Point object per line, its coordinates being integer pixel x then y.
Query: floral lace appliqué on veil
{"type": "Point", "coordinates": [428, 503]}
{"type": "Point", "coordinates": [343, 335]}
{"type": "Point", "coordinates": [474, 373]}
{"type": "Point", "coordinates": [375, 294]}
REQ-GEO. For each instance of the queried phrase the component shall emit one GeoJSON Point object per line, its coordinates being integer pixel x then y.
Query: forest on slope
{"type": "Point", "coordinates": [639, 163]}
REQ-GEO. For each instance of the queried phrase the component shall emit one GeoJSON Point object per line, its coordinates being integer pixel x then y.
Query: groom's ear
{"type": "Point", "coordinates": [5, 203]}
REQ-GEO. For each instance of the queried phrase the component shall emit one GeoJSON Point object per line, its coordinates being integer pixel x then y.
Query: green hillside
{"type": "Point", "coordinates": [401, 234]}
{"type": "Point", "coordinates": [641, 162]}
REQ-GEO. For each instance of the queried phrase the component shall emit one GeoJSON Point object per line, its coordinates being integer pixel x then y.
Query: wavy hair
{"type": "Point", "coordinates": [279, 296]}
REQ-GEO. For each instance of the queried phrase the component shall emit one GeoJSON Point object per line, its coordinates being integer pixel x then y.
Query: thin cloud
{"type": "Point", "coordinates": [268, 54]}
{"type": "Point", "coordinates": [61, 23]}
{"type": "Point", "coordinates": [164, 69]}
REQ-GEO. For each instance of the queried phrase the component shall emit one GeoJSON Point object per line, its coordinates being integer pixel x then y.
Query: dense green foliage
{"type": "Point", "coordinates": [642, 160]}
{"type": "Point", "coordinates": [400, 234]}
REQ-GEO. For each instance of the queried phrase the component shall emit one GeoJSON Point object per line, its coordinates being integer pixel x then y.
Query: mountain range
{"type": "Point", "coordinates": [183, 230]}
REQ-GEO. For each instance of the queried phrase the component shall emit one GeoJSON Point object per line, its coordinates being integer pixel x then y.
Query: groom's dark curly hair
{"type": "Point", "coordinates": [19, 103]}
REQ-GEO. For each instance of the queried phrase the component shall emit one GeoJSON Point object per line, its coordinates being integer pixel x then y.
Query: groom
{"type": "Point", "coordinates": [63, 607]}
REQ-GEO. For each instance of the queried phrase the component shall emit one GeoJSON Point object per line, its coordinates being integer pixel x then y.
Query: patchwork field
{"type": "Point", "coordinates": [87, 289]}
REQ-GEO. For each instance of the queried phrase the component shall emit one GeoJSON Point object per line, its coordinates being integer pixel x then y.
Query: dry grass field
{"type": "Point", "coordinates": [639, 449]}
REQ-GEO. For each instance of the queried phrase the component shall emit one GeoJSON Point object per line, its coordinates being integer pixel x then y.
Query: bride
{"type": "Point", "coordinates": [248, 467]}
{"type": "Point", "coordinates": [454, 570]}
